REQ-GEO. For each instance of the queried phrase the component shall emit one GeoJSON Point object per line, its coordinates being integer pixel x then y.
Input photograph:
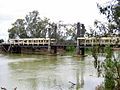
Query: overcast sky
{"type": "Point", "coordinates": [69, 11]}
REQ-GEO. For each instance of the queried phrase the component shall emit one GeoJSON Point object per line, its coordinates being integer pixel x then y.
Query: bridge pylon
{"type": "Point", "coordinates": [80, 33]}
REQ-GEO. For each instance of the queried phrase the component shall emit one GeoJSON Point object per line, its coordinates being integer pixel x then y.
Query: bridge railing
{"type": "Point", "coordinates": [101, 40]}
{"type": "Point", "coordinates": [31, 41]}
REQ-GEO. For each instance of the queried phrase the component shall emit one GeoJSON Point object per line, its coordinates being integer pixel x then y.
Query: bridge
{"type": "Point", "coordinates": [51, 45]}
{"type": "Point", "coordinates": [80, 40]}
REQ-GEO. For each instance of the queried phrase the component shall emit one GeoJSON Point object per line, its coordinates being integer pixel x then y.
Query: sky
{"type": "Point", "coordinates": [68, 11]}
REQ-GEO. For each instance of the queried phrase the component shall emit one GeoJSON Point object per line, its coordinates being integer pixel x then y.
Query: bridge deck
{"type": "Point", "coordinates": [83, 41]}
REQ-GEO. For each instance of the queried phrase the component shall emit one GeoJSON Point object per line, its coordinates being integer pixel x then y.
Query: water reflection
{"type": "Point", "coordinates": [37, 72]}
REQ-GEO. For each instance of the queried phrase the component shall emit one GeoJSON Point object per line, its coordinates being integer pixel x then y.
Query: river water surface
{"type": "Point", "coordinates": [38, 72]}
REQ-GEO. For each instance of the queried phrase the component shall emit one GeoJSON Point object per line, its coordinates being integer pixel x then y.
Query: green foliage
{"type": "Point", "coordinates": [112, 12]}
{"type": "Point", "coordinates": [70, 48]}
{"type": "Point", "coordinates": [31, 26]}
{"type": "Point", "coordinates": [88, 50]}
{"type": "Point", "coordinates": [109, 81]}
{"type": "Point", "coordinates": [109, 68]}
{"type": "Point", "coordinates": [97, 63]}
{"type": "Point", "coordinates": [18, 29]}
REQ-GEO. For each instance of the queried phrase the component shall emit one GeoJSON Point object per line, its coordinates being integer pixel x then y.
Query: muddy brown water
{"type": "Point", "coordinates": [42, 72]}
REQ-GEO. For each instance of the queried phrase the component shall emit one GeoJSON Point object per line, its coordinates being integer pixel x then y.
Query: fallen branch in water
{"type": "Point", "coordinates": [3, 88]}
{"type": "Point", "coordinates": [73, 84]}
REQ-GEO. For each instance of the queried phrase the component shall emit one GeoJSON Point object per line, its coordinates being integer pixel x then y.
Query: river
{"type": "Point", "coordinates": [42, 72]}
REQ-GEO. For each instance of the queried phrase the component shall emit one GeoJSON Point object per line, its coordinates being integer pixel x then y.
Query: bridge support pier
{"type": "Point", "coordinates": [78, 48]}
{"type": "Point", "coordinates": [82, 51]}
{"type": "Point", "coordinates": [49, 41]}
{"type": "Point", "coordinates": [55, 36]}
{"type": "Point", "coordinates": [80, 33]}
{"type": "Point", "coordinates": [55, 50]}
{"type": "Point", "coordinates": [49, 49]}
{"type": "Point", "coordinates": [49, 46]}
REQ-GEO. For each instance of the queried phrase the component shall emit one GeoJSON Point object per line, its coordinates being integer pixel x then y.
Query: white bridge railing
{"type": "Point", "coordinates": [100, 40]}
{"type": "Point", "coordinates": [31, 41]}
{"type": "Point", "coordinates": [80, 40]}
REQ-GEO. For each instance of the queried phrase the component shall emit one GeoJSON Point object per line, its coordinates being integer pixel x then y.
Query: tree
{"type": "Point", "coordinates": [31, 23]}
{"type": "Point", "coordinates": [35, 26]}
{"type": "Point", "coordinates": [112, 13]}
{"type": "Point", "coordinates": [30, 27]}
{"type": "Point", "coordinates": [110, 67]}
{"type": "Point", "coordinates": [18, 29]}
